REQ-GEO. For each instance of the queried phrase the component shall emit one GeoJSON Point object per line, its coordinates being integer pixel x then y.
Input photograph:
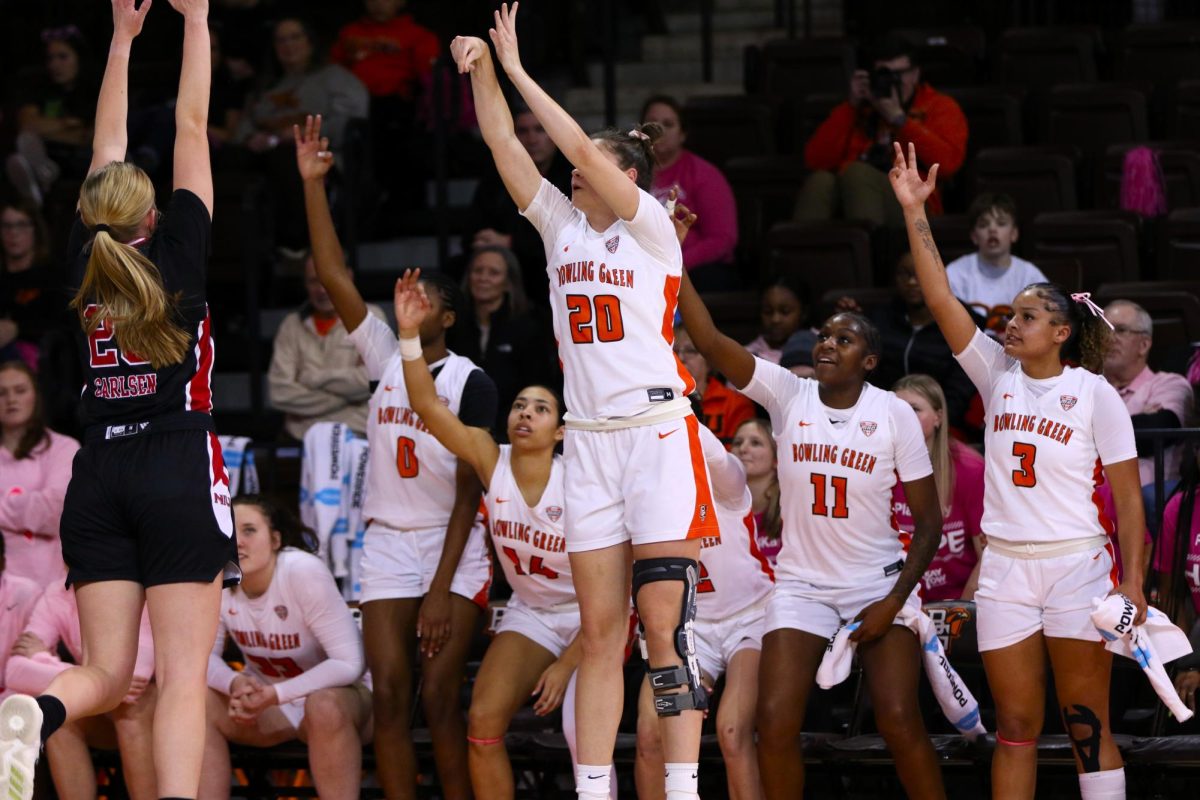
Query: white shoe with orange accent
{"type": "Point", "coordinates": [20, 743]}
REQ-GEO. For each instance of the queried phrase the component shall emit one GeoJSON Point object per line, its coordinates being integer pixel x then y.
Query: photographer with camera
{"type": "Point", "coordinates": [850, 153]}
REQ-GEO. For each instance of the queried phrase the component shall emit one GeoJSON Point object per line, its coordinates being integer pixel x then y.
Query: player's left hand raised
{"type": "Point", "coordinates": [504, 37]}
{"type": "Point", "coordinates": [876, 620]}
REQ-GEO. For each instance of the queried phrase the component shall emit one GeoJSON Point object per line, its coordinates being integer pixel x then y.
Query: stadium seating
{"type": "Point", "coordinates": [765, 189]}
{"type": "Point", "coordinates": [1039, 178]}
{"type": "Point", "coordinates": [722, 127]}
{"type": "Point", "coordinates": [795, 68]}
{"type": "Point", "coordinates": [993, 115]}
{"type": "Point", "coordinates": [822, 255]}
{"type": "Point", "coordinates": [1032, 57]}
{"type": "Point", "coordinates": [1105, 242]}
{"type": "Point", "coordinates": [1179, 245]}
{"type": "Point", "coordinates": [1180, 163]}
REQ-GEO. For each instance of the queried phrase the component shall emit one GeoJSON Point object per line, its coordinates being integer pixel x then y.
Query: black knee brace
{"type": "Point", "coordinates": [688, 676]}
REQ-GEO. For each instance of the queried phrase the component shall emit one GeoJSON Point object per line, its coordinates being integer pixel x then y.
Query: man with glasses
{"type": "Point", "coordinates": [1154, 399]}
{"type": "Point", "coordinates": [850, 153]}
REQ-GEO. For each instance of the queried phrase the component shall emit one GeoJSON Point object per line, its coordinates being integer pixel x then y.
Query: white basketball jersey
{"type": "Point", "coordinates": [410, 474]}
{"type": "Point", "coordinates": [613, 295]}
{"type": "Point", "coordinates": [529, 540]}
{"type": "Point", "coordinates": [734, 575]}
{"type": "Point", "coordinates": [272, 629]}
{"type": "Point", "coordinates": [1043, 448]}
{"type": "Point", "coordinates": [836, 480]}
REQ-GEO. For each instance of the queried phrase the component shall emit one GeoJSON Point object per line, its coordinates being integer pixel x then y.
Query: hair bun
{"type": "Point", "coordinates": [652, 130]}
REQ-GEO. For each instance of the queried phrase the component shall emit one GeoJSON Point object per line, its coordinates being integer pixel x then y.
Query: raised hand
{"type": "Point", "coordinates": [128, 18]}
{"type": "Point", "coordinates": [190, 7]}
{"type": "Point", "coordinates": [911, 191]}
{"type": "Point", "coordinates": [313, 157]}
{"type": "Point", "coordinates": [681, 216]}
{"type": "Point", "coordinates": [412, 304]}
{"type": "Point", "coordinates": [504, 37]}
{"type": "Point", "coordinates": [467, 51]}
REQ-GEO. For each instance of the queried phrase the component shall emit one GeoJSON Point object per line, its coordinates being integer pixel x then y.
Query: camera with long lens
{"type": "Point", "coordinates": [883, 81]}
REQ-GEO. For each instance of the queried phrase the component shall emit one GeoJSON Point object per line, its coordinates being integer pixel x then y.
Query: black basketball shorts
{"type": "Point", "coordinates": [150, 502]}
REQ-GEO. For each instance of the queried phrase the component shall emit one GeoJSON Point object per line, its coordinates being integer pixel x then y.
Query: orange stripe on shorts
{"type": "Point", "coordinates": [704, 517]}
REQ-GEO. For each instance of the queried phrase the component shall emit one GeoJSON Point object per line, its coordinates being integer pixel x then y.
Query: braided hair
{"type": "Point", "coordinates": [1089, 338]}
{"type": "Point", "coordinates": [633, 148]}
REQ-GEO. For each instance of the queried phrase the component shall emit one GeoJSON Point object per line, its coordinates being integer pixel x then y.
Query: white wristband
{"type": "Point", "coordinates": [410, 349]}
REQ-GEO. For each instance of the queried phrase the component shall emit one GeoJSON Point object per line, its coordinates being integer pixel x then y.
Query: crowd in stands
{"type": "Point", "coordinates": [271, 71]}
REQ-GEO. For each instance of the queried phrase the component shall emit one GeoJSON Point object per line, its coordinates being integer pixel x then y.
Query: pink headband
{"type": "Point", "coordinates": [635, 133]}
{"type": "Point", "coordinates": [1097, 311]}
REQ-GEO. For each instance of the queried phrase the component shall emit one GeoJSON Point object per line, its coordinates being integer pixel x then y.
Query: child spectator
{"type": "Point", "coordinates": [988, 279]}
{"type": "Point", "coordinates": [958, 472]}
{"type": "Point", "coordinates": [316, 374]}
{"type": "Point", "coordinates": [35, 467]}
{"type": "Point", "coordinates": [708, 249]}
{"type": "Point", "coordinates": [784, 308]}
{"type": "Point", "coordinates": [754, 445]}
{"type": "Point", "coordinates": [723, 410]}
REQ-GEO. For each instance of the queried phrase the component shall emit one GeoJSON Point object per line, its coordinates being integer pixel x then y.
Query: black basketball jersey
{"type": "Point", "coordinates": [121, 387]}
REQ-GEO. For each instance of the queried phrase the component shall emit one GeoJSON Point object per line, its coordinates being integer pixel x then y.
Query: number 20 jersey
{"type": "Point", "coordinates": [530, 542]}
{"type": "Point", "coordinates": [410, 474]}
{"type": "Point", "coordinates": [613, 295]}
{"type": "Point", "coordinates": [1045, 443]}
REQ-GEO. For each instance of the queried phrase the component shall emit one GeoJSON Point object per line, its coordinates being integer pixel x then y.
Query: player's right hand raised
{"type": "Point", "coordinates": [504, 37]}
{"type": "Point", "coordinates": [412, 304]}
{"type": "Point", "coordinates": [128, 18]}
{"type": "Point", "coordinates": [313, 157]}
{"type": "Point", "coordinates": [467, 51]}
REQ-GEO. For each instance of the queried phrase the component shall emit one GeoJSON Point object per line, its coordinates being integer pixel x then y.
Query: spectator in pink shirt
{"type": "Point", "coordinates": [1154, 399]}
{"type": "Point", "coordinates": [34, 664]}
{"type": "Point", "coordinates": [1178, 563]}
{"type": "Point", "coordinates": [35, 467]}
{"type": "Point", "coordinates": [17, 597]}
{"type": "Point", "coordinates": [958, 472]}
{"type": "Point", "coordinates": [708, 249]}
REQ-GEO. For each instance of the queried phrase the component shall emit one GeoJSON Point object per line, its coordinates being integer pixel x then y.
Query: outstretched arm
{"type": "Point", "coordinates": [193, 171]}
{"type": "Point", "coordinates": [471, 445]}
{"type": "Point", "coordinates": [314, 159]}
{"type": "Point", "coordinates": [726, 356]}
{"type": "Point", "coordinates": [911, 192]}
{"type": "Point", "coordinates": [517, 170]}
{"type": "Point", "coordinates": [112, 109]}
{"type": "Point", "coordinates": [606, 178]}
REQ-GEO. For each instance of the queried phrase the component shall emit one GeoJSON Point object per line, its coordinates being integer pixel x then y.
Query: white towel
{"type": "Point", "coordinates": [955, 699]}
{"type": "Point", "coordinates": [324, 486]}
{"type": "Point", "coordinates": [239, 463]}
{"type": "Point", "coordinates": [357, 452]}
{"type": "Point", "coordinates": [1150, 644]}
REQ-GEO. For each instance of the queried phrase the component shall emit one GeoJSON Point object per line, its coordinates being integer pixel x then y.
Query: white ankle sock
{"type": "Point", "coordinates": [1106, 785]}
{"type": "Point", "coordinates": [592, 782]}
{"type": "Point", "coordinates": [681, 781]}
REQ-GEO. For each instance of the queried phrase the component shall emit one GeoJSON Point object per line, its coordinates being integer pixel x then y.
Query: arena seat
{"type": "Point", "coordinates": [993, 115]}
{"type": "Point", "coordinates": [948, 56]}
{"type": "Point", "coordinates": [867, 297]}
{"type": "Point", "coordinates": [722, 127]}
{"type": "Point", "coordinates": [823, 255]}
{"type": "Point", "coordinates": [1179, 245]}
{"type": "Point", "coordinates": [796, 67]}
{"type": "Point", "coordinates": [736, 314]}
{"type": "Point", "coordinates": [1160, 53]}
{"type": "Point", "coordinates": [765, 189]}
{"type": "Point", "coordinates": [1066, 271]}
{"type": "Point", "coordinates": [800, 117]}
{"type": "Point", "coordinates": [1105, 242]}
{"type": "Point", "coordinates": [1183, 119]}
{"type": "Point", "coordinates": [1093, 116]}
{"type": "Point", "coordinates": [1034, 57]}
{"type": "Point", "coordinates": [1038, 178]}
{"type": "Point", "coordinates": [952, 232]}
{"type": "Point", "coordinates": [1180, 163]}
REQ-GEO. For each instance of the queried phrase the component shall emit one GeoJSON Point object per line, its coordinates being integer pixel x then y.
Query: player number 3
{"type": "Point", "coordinates": [1023, 475]}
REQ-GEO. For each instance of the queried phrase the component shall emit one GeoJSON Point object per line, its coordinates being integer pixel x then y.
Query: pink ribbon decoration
{"type": "Point", "coordinates": [635, 133]}
{"type": "Point", "coordinates": [1097, 311]}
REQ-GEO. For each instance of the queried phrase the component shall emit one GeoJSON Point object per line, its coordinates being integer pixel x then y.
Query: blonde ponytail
{"type": "Point", "coordinates": [124, 286]}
